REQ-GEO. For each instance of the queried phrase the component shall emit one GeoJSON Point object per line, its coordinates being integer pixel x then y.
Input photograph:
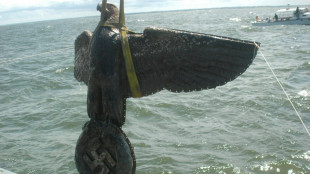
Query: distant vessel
{"type": "Point", "coordinates": [288, 16]}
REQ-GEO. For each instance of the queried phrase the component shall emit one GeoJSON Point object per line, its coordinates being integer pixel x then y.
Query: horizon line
{"type": "Point", "coordinates": [143, 12]}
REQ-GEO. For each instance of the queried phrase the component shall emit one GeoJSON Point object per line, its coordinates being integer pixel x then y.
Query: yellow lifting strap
{"type": "Point", "coordinates": [131, 72]}
{"type": "Point", "coordinates": [130, 69]}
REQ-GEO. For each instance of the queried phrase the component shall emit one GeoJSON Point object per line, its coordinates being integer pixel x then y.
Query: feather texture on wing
{"type": "Point", "coordinates": [177, 60]}
{"type": "Point", "coordinates": [185, 61]}
{"type": "Point", "coordinates": [82, 57]}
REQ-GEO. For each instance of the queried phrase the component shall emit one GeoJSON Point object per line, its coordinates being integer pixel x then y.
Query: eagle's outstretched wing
{"type": "Point", "coordinates": [82, 59]}
{"type": "Point", "coordinates": [177, 60]}
{"type": "Point", "coordinates": [184, 61]}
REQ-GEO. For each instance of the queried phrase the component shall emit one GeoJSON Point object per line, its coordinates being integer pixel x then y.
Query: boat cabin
{"type": "Point", "coordinates": [291, 13]}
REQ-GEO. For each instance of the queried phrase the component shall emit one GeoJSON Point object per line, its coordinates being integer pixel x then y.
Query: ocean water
{"type": "Point", "coordinates": [246, 126]}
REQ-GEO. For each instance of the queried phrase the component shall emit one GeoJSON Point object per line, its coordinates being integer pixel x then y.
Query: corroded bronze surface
{"type": "Point", "coordinates": [107, 85]}
{"type": "Point", "coordinates": [82, 59]}
{"type": "Point", "coordinates": [184, 61]}
{"type": "Point", "coordinates": [104, 148]}
{"type": "Point", "coordinates": [163, 59]}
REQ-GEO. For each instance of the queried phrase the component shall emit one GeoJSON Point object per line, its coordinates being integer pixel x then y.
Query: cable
{"type": "Point", "coordinates": [284, 91]}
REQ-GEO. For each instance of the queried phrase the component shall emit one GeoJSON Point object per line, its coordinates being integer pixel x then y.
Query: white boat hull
{"type": "Point", "coordinates": [288, 22]}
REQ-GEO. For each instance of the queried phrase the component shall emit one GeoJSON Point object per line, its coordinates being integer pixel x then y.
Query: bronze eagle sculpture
{"type": "Point", "coordinates": [176, 60]}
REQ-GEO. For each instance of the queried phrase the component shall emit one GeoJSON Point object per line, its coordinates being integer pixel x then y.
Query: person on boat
{"type": "Point", "coordinates": [276, 17]}
{"type": "Point", "coordinates": [297, 12]}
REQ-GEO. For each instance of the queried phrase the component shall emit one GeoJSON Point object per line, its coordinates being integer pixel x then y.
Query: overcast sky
{"type": "Point", "coordinates": [20, 11]}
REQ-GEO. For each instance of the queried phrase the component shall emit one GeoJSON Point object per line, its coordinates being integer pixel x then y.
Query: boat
{"type": "Point", "coordinates": [288, 16]}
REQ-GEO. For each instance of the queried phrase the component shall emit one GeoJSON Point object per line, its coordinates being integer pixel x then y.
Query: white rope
{"type": "Point", "coordinates": [21, 58]}
{"type": "Point", "coordinates": [284, 91]}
